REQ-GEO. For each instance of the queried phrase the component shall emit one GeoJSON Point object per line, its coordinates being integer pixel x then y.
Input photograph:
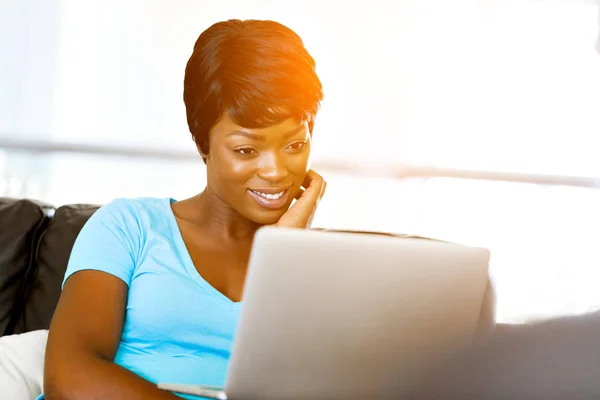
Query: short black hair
{"type": "Point", "coordinates": [256, 71]}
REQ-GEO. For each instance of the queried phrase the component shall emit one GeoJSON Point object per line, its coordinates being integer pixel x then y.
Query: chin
{"type": "Point", "coordinates": [263, 216]}
{"type": "Point", "coordinates": [266, 218]}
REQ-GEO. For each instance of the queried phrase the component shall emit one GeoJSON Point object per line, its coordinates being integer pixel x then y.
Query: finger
{"type": "Point", "coordinates": [313, 181]}
{"type": "Point", "coordinates": [323, 187]}
{"type": "Point", "coordinates": [316, 181]}
{"type": "Point", "coordinates": [299, 193]}
{"type": "Point", "coordinates": [310, 175]}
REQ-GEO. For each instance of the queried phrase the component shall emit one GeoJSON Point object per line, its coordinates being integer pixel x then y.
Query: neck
{"type": "Point", "coordinates": [220, 220]}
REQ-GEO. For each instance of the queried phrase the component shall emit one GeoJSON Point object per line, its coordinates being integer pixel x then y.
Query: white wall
{"type": "Point", "coordinates": [494, 84]}
{"type": "Point", "coordinates": [28, 65]}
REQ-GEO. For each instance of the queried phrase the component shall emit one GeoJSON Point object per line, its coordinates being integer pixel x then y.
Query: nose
{"type": "Point", "coordinates": [272, 168]}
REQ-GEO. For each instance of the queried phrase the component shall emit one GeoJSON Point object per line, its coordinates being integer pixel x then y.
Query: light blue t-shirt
{"type": "Point", "coordinates": [178, 328]}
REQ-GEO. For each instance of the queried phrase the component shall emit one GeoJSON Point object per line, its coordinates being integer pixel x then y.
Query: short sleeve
{"type": "Point", "coordinates": [108, 242]}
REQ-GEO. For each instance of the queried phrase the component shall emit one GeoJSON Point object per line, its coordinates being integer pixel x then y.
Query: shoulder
{"type": "Point", "coordinates": [134, 210]}
{"type": "Point", "coordinates": [114, 238]}
{"type": "Point", "coordinates": [128, 219]}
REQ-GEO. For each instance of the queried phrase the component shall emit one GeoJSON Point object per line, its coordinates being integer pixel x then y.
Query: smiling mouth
{"type": "Point", "coordinates": [269, 196]}
{"type": "Point", "coordinates": [272, 200]}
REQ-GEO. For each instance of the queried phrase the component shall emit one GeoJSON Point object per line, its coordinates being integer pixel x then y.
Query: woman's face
{"type": "Point", "coordinates": [257, 172]}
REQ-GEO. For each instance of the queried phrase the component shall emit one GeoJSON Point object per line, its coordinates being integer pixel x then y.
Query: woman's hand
{"type": "Point", "coordinates": [300, 215]}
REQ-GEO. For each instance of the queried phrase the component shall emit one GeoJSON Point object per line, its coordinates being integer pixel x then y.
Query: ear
{"type": "Point", "coordinates": [311, 126]}
{"type": "Point", "coordinates": [205, 158]}
{"type": "Point", "coordinates": [203, 154]}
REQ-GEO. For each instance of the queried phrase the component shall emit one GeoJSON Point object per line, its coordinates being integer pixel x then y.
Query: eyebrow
{"type": "Point", "coordinates": [262, 138]}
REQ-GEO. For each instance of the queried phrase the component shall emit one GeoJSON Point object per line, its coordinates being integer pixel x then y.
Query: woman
{"type": "Point", "coordinates": [153, 286]}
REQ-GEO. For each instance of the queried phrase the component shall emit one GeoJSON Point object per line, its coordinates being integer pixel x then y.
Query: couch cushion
{"type": "Point", "coordinates": [21, 223]}
{"type": "Point", "coordinates": [22, 365]}
{"type": "Point", "coordinates": [52, 257]}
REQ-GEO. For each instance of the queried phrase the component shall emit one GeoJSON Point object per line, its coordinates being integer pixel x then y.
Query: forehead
{"type": "Point", "coordinates": [225, 127]}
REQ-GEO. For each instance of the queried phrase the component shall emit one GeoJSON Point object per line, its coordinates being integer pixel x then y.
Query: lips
{"type": "Point", "coordinates": [272, 199]}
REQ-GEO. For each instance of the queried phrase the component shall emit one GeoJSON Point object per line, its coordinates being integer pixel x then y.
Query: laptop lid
{"type": "Point", "coordinates": [343, 315]}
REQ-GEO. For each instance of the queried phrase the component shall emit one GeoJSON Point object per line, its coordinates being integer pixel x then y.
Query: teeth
{"type": "Point", "coordinates": [269, 196]}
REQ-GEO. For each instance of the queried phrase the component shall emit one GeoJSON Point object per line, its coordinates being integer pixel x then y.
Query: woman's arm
{"type": "Point", "coordinates": [83, 340]}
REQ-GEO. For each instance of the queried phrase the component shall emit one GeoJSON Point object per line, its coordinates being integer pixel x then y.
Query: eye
{"type": "Point", "coordinates": [299, 145]}
{"type": "Point", "coordinates": [245, 151]}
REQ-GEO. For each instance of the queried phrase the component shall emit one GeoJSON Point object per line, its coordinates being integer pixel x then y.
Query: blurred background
{"type": "Point", "coordinates": [474, 121]}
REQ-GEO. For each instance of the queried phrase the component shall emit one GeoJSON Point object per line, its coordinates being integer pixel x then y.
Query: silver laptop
{"type": "Point", "coordinates": [348, 316]}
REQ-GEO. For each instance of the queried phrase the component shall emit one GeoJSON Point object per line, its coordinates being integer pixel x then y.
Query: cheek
{"type": "Point", "coordinates": [298, 165]}
{"type": "Point", "coordinates": [228, 169]}
{"type": "Point", "coordinates": [301, 163]}
{"type": "Point", "coordinates": [240, 171]}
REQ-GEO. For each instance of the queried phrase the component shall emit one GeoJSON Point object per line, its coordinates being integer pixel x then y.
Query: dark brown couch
{"type": "Point", "coordinates": [35, 244]}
